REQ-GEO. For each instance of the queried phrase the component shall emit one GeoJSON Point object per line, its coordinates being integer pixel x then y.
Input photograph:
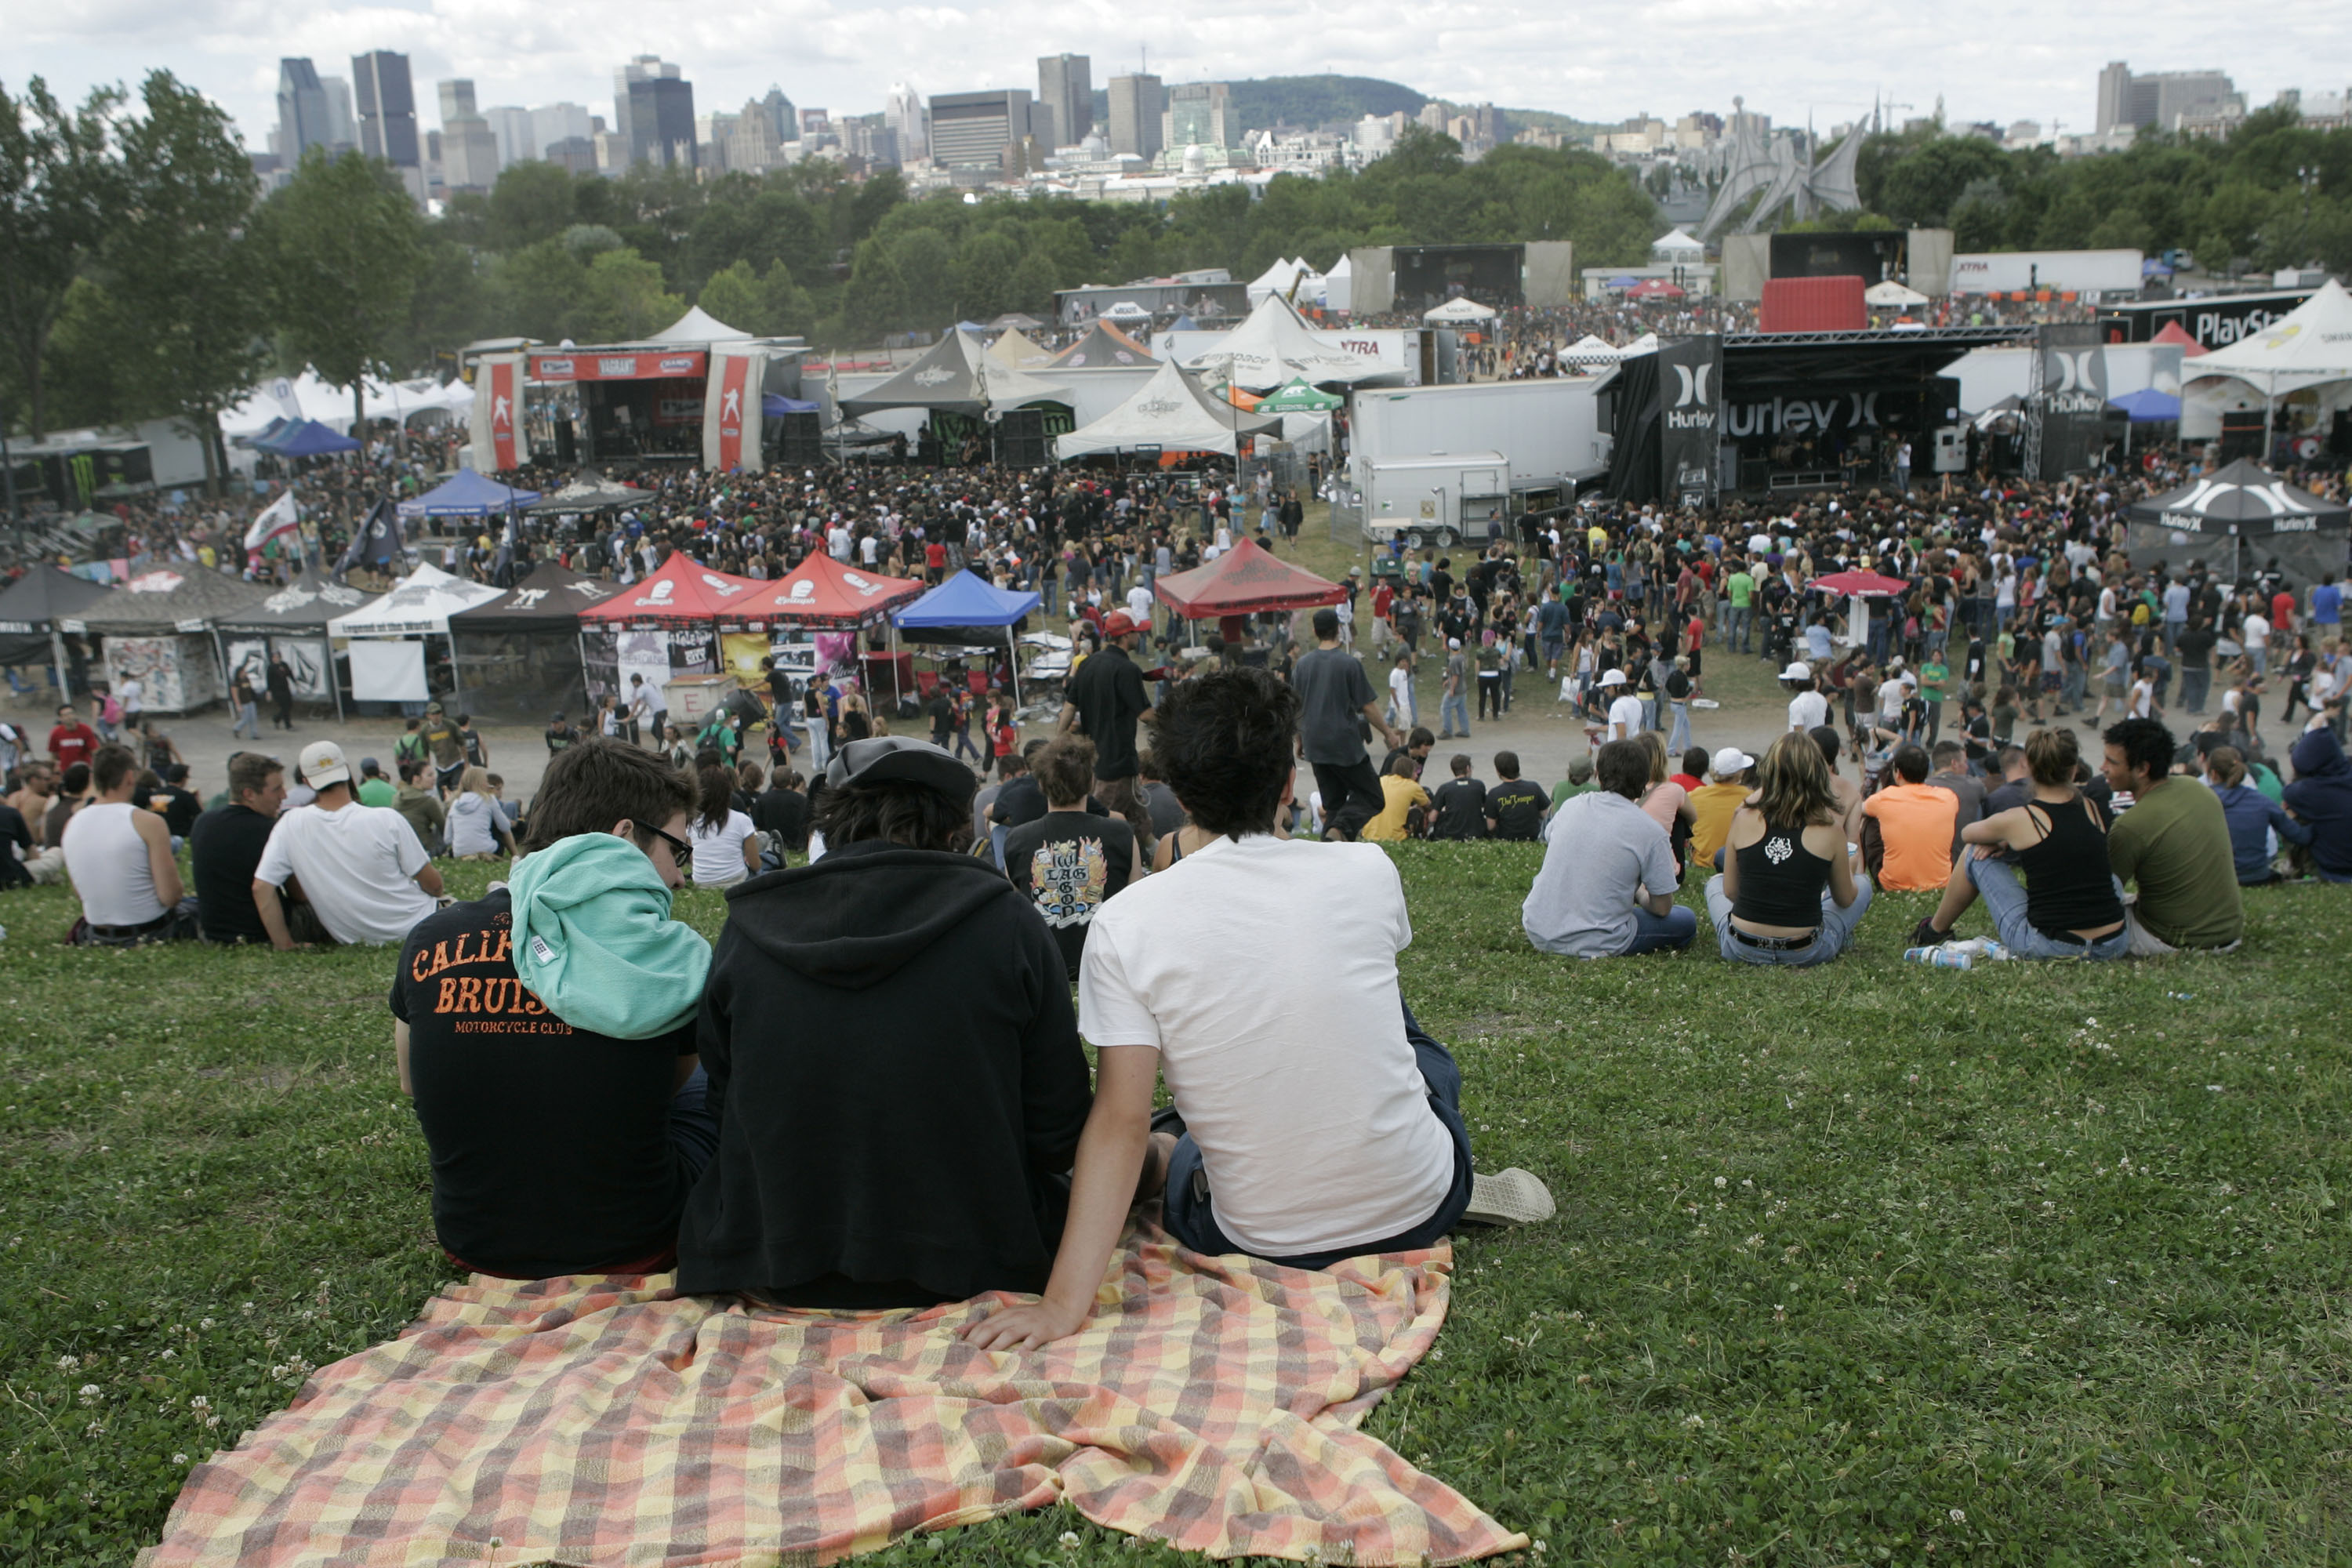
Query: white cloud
{"type": "Point", "coordinates": [1822, 60]}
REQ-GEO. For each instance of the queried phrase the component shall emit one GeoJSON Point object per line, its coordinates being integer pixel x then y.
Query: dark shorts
{"type": "Point", "coordinates": [1188, 1210]}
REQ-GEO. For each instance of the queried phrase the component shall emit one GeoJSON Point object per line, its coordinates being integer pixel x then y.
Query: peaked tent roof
{"type": "Point", "coordinates": [1016, 349]}
{"type": "Point", "coordinates": [1890, 292]}
{"type": "Point", "coordinates": [1170, 411]}
{"type": "Point", "coordinates": [682, 590]}
{"type": "Point", "coordinates": [168, 596]}
{"type": "Point", "coordinates": [1273, 345]}
{"type": "Point", "coordinates": [307, 604]}
{"type": "Point", "coordinates": [943, 378]}
{"type": "Point", "coordinates": [698, 326]}
{"type": "Point", "coordinates": [2247, 494]}
{"type": "Point", "coordinates": [45, 594]}
{"type": "Point", "coordinates": [1011, 388]}
{"type": "Point", "coordinates": [1126, 310]}
{"type": "Point", "coordinates": [2175, 337]}
{"type": "Point", "coordinates": [1014, 322]}
{"type": "Point", "coordinates": [1676, 238]}
{"type": "Point", "coordinates": [465, 493]}
{"type": "Point", "coordinates": [1298, 398]}
{"type": "Point", "coordinates": [1590, 350]}
{"type": "Point", "coordinates": [1461, 309]}
{"type": "Point", "coordinates": [589, 490]}
{"type": "Point", "coordinates": [1244, 580]}
{"type": "Point", "coordinates": [966, 608]}
{"type": "Point", "coordinates": [421, 602]}
{"type": "Point", "coordinates": [1104, 344]}
{"type": "Point", "coordinates": [549, 599]}
{"type": "Point", "coordinates": [304, 438]}
{"type": "Point", "coordinates": [2148, 405]}
{"type": "Point", "coordinates": [823, 593]}
{"type": "Point", "coordinates": [2308, 346]}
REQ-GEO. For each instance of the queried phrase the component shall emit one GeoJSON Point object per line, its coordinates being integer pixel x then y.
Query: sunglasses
{"type": "Point", "coordinates": [680, 849]}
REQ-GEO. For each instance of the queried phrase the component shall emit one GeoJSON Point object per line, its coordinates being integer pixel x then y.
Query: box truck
{"type": "Point", "coordinates": [1440, 500]}
{"type": "Point", "coordinates": [1552, 431]}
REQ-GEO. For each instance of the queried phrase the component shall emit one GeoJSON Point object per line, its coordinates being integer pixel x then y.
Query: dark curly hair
{"type": "Point", "coordinates": [895, 810]}
{"type": "Point", "coordinates": [1223, 742]}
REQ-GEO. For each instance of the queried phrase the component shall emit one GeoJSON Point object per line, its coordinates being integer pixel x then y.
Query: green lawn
{"type": "Point", "coordinates": [2028, 1264]}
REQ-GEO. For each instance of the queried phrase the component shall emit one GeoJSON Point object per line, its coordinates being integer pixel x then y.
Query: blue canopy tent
{"type": "Point", "coordinates": [2145, 407]}
{"type": "Point", "coordinates": [304, 438]}
{"type": "Point", "coordinates": [775, 404]}
{"type": "Point", "coordinates": [969, 611]}
{"type": "Point", "coordinates": [466, 494]}
{"type": "Point", "coordinates": [1183, 324]}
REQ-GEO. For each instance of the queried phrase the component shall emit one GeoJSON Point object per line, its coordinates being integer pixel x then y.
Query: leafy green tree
{"type": "Point", "coordinates": [181, 265]}
{"type": "Point", "coordinates": [767, 304]}
{"type": "Point", "coordinates": [530, 202]}
{"type": "Point", "coordinates": [536, 291]}
{"type": "Point", "coordinates": [60, 188]}
{"type": "Point", "coordinates": [622, 298]}
{"type": "Point", "coordinates": [341, 240]}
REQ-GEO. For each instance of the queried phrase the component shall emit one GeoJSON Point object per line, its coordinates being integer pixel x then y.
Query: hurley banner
{"type": "Point", "coordinates": [2073, 398]}
{"type": "Point", "coordinates": [1690, 419]}
{"type": "Point", "coordinates": [730, 411]}
{"type": "Point", "coordinates": [499, 444]}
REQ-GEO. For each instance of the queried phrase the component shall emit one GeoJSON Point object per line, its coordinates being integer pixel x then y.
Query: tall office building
{"type": "Point", "coordinates": [1136, 102]}
{"type": "Point", "coordinates": [972, 130]}
{"type": "Point", "coordinates": [469, 152]}
{"type": "Point", "coordinates": [903, 113]}
{"type": "Point", "coordinates": [303, 118]}
{"type": "Point", "coordinates": [342, 125]}
{"type": "Point", "coordinates": [655, 110]}
{"type": "Point", "coordinates": [1066, 85]}
{"type": "Point", "coordinates": [554, 123]}
{"type": "Point", "coordinates": [517, 140]}
{"type": "Point", "coordinates": [753, 145]}
{"type": "Point", "coordinates": [783, 120]}
{"type": "Point", "coordinates": [1200, 113]}
{"type": "Point", "coordinates": [2160, 98]}
{"type": "Point", "coordinates": [386, 102]}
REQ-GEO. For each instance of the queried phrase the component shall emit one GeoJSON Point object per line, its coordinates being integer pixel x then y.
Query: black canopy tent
{"type": "Point", "coordinates": [160, 629]}
{"type": "Point", "coordinates": [291, 621]}
{"type": "Point", "coordinates": [30, 608]}
{"type": "Point", "coordinates": [587, 492]}
{"type": "Point", "coordinates": [521, 651]}
{"type": "Point", "coordinates": [2238, 520]}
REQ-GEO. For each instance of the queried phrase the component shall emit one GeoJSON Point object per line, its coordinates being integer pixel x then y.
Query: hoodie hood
{"type": "Point", "coordinates": [2317, 756]}
{"type": "Point", "coordinates": [856, 916]}
{"type": "Point", "coordinates": [594, 938]}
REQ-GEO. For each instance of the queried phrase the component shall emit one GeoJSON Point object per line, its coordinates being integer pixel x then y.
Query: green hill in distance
{"type": "Point", "coordinates": [1313, 101]}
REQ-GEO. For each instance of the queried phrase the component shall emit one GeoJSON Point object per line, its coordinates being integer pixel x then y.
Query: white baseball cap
{"type": "Point", "coordinates": [1614, 677]}
{"type": "Point", "coordinates": [1797, 670]}
{"type": "Point", "coordinates": [1452, 642]}
{"type": "Point", "coordinates": [322, 764]}
{"type": "Point", "coordinates": [1731, 761]}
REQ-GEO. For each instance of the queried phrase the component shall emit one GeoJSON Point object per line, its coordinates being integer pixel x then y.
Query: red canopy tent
{"type": "Point", "coordinates": [822, 594]}
{"type": "Point", "coordinates": [1653, 289]}
{"type": "Point", "coordinates": [684, 592]}
{"type": "Point", "coordinates": [1244, 581]}
{"type": "Point", "coordinates": [2172, 335]}
{"type": "Point", "coordinates": [1860, 583]}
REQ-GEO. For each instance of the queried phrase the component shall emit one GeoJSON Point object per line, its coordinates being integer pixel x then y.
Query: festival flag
{"type": "Point", "coordinates": [375, 543]}
{"type": "Point", "coordinates": [280, 516]}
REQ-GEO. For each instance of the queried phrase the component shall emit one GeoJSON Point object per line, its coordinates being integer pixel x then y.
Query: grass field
{"type": "Point", "coordinates": [2025, 1265]}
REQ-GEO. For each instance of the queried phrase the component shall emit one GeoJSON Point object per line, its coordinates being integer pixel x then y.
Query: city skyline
{"type": "Point", "coordinates": [2006, 63]}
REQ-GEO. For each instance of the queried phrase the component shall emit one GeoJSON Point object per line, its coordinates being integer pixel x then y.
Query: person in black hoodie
{"type": "Point", "coordinates": [893, 1061]}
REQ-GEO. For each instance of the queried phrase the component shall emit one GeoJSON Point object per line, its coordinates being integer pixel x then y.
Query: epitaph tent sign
{"type": "Point", "coordinates": [1690, 419]}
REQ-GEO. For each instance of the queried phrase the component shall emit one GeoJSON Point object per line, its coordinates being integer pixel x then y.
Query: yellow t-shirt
{"type": "Point", "coordinates": [1713, 806]}
{"type": "Point", "coordinates": [1403, 795]}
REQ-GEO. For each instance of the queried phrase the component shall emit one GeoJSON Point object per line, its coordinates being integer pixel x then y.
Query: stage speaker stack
{"type": "Point", "coordinates": [802, 442]}
{"type": "Point", "coordinates": [1021, 439]}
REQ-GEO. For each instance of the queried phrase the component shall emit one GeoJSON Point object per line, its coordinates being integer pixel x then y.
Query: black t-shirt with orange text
{"type": "Point", "coordinates": [551, 1145]}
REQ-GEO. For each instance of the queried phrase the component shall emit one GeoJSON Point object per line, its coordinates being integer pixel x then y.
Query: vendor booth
{"type": "Point", "coordinates": [1169, 413]}
{"type": "Point", "coordinates": [1275, 346]}
{"type": "Point", "coordinates": [159, 628]}
{"type": "Point", "coordinates": [2300, 368]}
{"type": "Point", "coordinates": [398, 645]}
{"type": "Point", "coordinates": [684, 622]}
{"type": "Point", "coordinates": [303, 438]}
{"type": "Point", "coordinates": [1862, 591]}
{"type": "Point", "coordinates": [813, 613]}
{"type": "Point", "coordinates": [967, 611]}
{"type": "Point", "coordinates": [291, 624]}
{"type": "Point", "coordinates": [2238, 520]}
{"type": "Point", "coordinates": [1245, 581]}
{"type": "Point", "coordinates": [520, 653]}
{"type": "Point", "coordinates": [1104, 344]}
{"type": "Point", "coordinates": [33, 613]}
{"type": "Point", "coordinates": [587, 492]}
{"type": "Point", "coordinates": [468, 494]}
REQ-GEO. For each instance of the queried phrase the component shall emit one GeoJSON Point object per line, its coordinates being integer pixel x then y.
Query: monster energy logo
{"type": "Point", "coordinates": [84, 469]}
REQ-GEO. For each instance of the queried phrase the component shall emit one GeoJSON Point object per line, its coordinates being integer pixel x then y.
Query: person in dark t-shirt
{"type": "Point", "coordinates": [559, 1147]}
{"type": "Point", "coordinates": [1461, 802]}
{"type": "Point", "coordinates": [1070, 861]}
{"type": "Point", "coordinates": [1515, 807]}
{"type": "Point", "coordinates": [225, 848]}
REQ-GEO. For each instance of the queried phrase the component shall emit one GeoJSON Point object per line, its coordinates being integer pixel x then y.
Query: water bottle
{"type": "Point", "coordinates": [1944, 958]}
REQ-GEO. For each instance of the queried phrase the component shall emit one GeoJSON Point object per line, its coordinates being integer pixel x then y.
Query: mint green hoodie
{"type": "Point", "coordinates": [594, 942]}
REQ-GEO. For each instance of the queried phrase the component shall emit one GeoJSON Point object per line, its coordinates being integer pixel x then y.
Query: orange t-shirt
{"type": "Point", "coordinates": [1916, 822]}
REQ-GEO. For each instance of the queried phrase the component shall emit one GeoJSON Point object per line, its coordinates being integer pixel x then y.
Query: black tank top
{"type": "Point", "coordinates": [2069, 885]}
{"type": "Point", "coordinates": [1780, 881]}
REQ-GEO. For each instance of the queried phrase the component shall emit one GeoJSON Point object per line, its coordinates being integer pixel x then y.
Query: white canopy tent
{"type": "Point", "coordinates": [1590, 350]}
{"type": "Point", "coordinates": [1340, 285]}
{"type": "Point", "coordinates": [385, 635]}
{"type": "Point", "coordinates": [1891, 295]}
{"type": "Point", "coordinates": [311, 396]}
{"type": "Point", "coordinates": [1274, 346]}
{"type": "Point", "coordinates": [1463, 311]}
{"type": "Point", "coordinates": [1275, 279]}
{"type": "Point", "coordinates": [2309, 346]}
{"type": "Point", "coordinates": [1011, 388]}
{"type": "Point", "coordinates": [698, 326]}
{"type": "Point", "coordinates": [1169, 413]}
{"type": "Point", "coordinates": [1677, 245]}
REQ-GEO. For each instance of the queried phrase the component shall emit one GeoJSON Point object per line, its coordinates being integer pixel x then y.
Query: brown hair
{"type": "Point", "coordinates": [111, 765]}
{"type": "Point", "coordinates": [595, 782]}
{"type": "Point", "coordinates": [1066, 770]}
{"type": "Point", "coordinates": [1792, 784]}
{"type": "Point", "coordinates": [251, 770]}
{"type": "Point", "coordinates": [2226, 765]}
{"type": "Point", "coordinates": [2051, 756]}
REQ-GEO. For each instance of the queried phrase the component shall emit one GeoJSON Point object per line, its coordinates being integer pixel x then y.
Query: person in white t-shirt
{"type": "Point", "coordinates": [1624, 708]}
{"type": "Point", "coordinates": [726, 845]}
{"type": "Point", "coordinates": [1314, 1120]}
{"type": "Point", "coordinates": [2258, 642]}
{"type": "Point", "coordinates": [354, 874]}
{"type": "Point", "coordinates": [1808, 709]}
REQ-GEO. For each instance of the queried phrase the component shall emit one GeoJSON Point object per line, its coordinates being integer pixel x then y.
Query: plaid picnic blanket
{"type": "Point", "coordinates": [1211, 1403]}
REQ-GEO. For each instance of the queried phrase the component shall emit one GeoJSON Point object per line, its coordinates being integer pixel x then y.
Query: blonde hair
{"type": "Point", "coordinates": [475, 781]}
{"type": "Point", "coordinates": [1650, 743]}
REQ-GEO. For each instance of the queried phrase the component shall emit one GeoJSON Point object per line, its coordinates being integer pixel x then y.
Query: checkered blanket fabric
{"type": "Point", "coordinates": [1212, 1403]}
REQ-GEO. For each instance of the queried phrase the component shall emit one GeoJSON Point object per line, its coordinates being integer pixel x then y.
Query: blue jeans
{"type": "Point", "coordinates": [1051, 590]}
{"type": "Point", "coordinates": [1679, 741]}
{"type": "Point", "coordinates": [693, 1125]}
{"type": "Point", "coordinates": [1836, 931]}
{"type": "Point", "coordinates": [2195, 682]}
{"type": "Point", "coordinates": [1743, 621]}
{"type": "Point", "coordinates": [2004, 900]}
{"type": "Point", "coordinates": [1188, 1212]}
{"type": "Point", "coordinates": [1670, 932]}
{"type": "Point", "coordinates": [1453, 715]}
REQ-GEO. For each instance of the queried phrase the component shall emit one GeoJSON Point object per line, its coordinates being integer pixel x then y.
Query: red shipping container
{"type": "Point", "coordinates": [1813, 305]}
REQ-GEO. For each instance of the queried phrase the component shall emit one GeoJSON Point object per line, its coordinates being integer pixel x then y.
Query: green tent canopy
{"type": "Point", "coordinates": [1298, 398]}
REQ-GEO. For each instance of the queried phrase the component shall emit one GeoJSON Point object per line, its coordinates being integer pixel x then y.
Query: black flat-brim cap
{"type": "Point", "coordinates": [902, 757]}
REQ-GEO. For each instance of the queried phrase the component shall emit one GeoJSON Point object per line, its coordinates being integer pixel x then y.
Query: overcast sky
{"type": "Point", "coordinates": [1995, 59]}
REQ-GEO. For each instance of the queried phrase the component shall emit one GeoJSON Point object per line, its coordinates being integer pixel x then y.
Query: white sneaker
{"type": "Point", "coordinates": [1511, 1196]}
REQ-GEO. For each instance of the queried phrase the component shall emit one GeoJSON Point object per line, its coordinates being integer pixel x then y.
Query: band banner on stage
{"type": "Point", "coordinates": [1690, 406]}
{"type": "Point", "coordinates": [499, 443]}
{"type": "Point", "coordinates": [730, 413]}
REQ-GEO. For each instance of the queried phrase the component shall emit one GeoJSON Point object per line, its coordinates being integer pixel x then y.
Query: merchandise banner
{"type": "Point", "coordinates": [730, 413]}
{"type": "Point", "coordinates": [499, 443]}
{"type": "Point", "coordinates": [2073, 398]}
{"type": "Point", "coordinates": [1690, 425]}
